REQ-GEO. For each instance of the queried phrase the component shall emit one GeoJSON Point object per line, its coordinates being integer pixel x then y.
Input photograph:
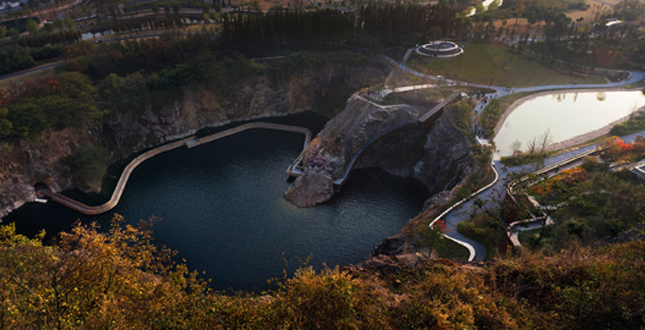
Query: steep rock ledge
{"type": "Point", "coordinates": [182, 113]}
{"type": "Point", "coordinates": [440, 158]}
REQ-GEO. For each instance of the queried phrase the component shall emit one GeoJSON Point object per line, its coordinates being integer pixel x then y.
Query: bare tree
{"type": "Point", "coordinates": [532, 145]}
{"type": "Point", "coordinates": [516, 146]}
{"type": "Point", "coordinates": [545, 139]}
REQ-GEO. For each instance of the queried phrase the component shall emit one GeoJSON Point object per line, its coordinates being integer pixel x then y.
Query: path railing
{"type": "Point", "coordinates": [189, 142]}
{"type": "Point", "coordinates": [471, 249]}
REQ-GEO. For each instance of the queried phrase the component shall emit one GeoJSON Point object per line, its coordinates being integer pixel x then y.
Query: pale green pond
{"type": "Point", "coordinates": [565, 115]}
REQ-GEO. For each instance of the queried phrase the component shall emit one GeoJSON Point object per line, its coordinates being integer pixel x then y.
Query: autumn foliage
{"type": "Point", "coordinates": [119, 280]}
{"type": "Point", "coordinates": [617, 150]}
{"type": "Point", "coordinates": [567, 177]}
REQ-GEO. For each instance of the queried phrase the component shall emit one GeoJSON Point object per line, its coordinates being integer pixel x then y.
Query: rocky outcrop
{"type": "Point", "coordinates": [29, 162]}
{"type": "Point", "coordinates": [313, 188]}
{"type": "Point", "coordinates": [259, 97]}
{"type": "Point", "coordinates": [390, 246]}
{"type": "Point", "coordinates": [169, 116]}
{"type": "Point", "coordinates": [440, 158]}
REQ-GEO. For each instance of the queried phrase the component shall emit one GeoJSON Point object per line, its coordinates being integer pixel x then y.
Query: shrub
{"type": "Point", "coordinates": [88, 165]}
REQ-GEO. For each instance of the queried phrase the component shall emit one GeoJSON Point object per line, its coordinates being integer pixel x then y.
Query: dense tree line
{"type": "Point", "coordinates": [254, 33]}
{"type": "Point", "coordinates": [115, 77]}
{"type": "Point", "coordinates": [540, 10]}
{"type": "Point", "coordinates": [17, 58]}
{"type": "Point", "coordinates": [48, 103]}
{"type": "Point", "coordinates": [41, 40]}
{"type": "Point", "coordinates": [14, 59]}
{"type": "Point", "coordinates": [628, 10]}
{"type": "Point", "coordinates": [145, 55]}
{"type": "Point", "coordinates": [394, 25]}
{"type": "Point", "coordinates": [19, 24]}
{"type": "Point", "coordinates": [383, 25]}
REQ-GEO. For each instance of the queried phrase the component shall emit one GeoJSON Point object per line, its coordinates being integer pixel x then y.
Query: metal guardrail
{"type": "Point", "coordinates": [546, 169]}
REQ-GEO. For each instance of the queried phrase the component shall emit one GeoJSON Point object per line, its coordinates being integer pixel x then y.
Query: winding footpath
{"type": "Point", "coordinates": [189, 142]}
{"type": "Point", "coordinates": [458, 212]}
{"type": "Point", "coordinates": [490, 194]}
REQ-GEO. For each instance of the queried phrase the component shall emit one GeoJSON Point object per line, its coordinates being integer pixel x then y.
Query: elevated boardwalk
{"type": "Point", "coordinates": [429, 117]}
{"type": "Point", "coordinates": [425, 122]}
{"type": "Point", "coordinates": [189, 142]}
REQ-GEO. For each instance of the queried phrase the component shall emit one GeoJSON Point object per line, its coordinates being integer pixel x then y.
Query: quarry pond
{"type": "Point", "coordinates": [565, 115]}
{"type": "Point", "coordinates": [221, 206]}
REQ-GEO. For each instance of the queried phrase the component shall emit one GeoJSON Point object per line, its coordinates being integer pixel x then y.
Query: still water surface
{"type": "Point", "coordinates": [565, 115]}
{"type": "Point", "coordinates": [220, 205]}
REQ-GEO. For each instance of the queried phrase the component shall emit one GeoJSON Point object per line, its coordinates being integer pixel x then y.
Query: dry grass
{"type": "Point", "coordinates": [4, 83]}
{"type": "Point", "coordinates": [590, 14]}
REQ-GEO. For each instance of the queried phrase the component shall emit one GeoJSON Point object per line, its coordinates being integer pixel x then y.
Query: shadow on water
{"type": "Point", "coordinates": [221, 206]}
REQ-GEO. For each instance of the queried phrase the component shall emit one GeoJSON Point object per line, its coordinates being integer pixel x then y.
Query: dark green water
{"type": "Point", "coordinates": [221, 207]}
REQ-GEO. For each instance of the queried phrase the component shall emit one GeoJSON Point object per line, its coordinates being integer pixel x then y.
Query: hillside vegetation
{"type": "Point", "coordinates": [119, 279]}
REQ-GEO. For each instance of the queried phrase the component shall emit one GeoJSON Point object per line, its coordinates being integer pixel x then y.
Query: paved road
{"type": "Point", "coordinates": [53, 65]}
{"type": "Point", "coordinates": [40, 68]}
{"type": "Point", "coordinates": [60, 16]}
{"type": "Point", "coordinates": [496, 192]}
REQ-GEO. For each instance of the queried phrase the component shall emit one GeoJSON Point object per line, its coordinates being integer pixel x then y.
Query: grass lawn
{"type": "Point", "coordinates": [495, 64]}
{"type": "Point", "coordinates": [488, 245]}
{"type": "Point", "coordinates": [445, 248]}
{"type": "Point", "coordinates": [450, 250]}
{"type": "Point", "coordinates": [590, 13]}
{"type": "Point", "coordinates": [4, 83]}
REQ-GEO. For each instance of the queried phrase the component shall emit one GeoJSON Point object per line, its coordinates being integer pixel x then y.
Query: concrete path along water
{"type": "Point", "coordinates": [189, 142]}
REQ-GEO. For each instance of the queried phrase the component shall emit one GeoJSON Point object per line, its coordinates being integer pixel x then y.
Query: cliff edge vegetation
{"type": "Point", "coordinates": [119, 279]}
{"type": "Point", "coordinates": [120, 99]}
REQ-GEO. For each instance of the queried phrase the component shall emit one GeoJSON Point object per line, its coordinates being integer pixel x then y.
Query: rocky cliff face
{"type": "Point", "coordinates": [29, 162]}
{"type": "Point", "coordinates": [25, 164]}
{"type": "Point", "coordinates": [440, 158]}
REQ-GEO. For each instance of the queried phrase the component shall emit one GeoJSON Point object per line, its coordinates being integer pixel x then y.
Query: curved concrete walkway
{"type": "Point", "coordinates": [494, 190]}
{"type": "Point", "coordinates": [189, 142]}
{"type": "Point", "coordinates": [475, 249]}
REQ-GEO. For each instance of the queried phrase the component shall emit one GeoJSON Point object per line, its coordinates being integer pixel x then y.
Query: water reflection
{"type": "Point", "coordinates": [221, 207]}
{"type": "Point", "coordinates": [566, 115]}
{"type": "Point", "coordinates": [601, 96]}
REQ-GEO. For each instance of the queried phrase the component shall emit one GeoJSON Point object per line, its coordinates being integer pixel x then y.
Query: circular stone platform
{"type": "Point", "coordinates": [440, 48]}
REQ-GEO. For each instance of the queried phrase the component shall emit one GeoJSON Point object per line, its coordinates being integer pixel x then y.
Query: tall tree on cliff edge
{"type": "Point", "coordinates": [519, 9]}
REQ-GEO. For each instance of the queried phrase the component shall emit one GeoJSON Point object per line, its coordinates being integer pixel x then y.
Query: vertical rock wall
{"type": "Point", "coordinates": [440, 158]}
{"type": "Point", "coordinates": [178, 114]}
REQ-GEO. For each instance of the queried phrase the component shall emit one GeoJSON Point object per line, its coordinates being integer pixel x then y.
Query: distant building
{"type": "Point", "coordinates": [612, 21]}
{"type": "Point", "coordinates": [9, 5]}
{"type": "Point", "coordinates": [440, 49]}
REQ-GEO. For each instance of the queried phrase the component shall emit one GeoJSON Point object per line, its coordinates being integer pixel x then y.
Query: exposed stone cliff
{"type": "Point", "coordinates": [186, 111]}
{"type": "Point", "coordinates": [440, 158]}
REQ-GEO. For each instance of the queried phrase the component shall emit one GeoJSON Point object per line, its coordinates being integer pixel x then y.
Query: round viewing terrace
{"type": "Point", "coordinates": [441, 49]}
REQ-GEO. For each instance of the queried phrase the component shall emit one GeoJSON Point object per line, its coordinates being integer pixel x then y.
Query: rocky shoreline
{"type": "Point", "coordinates": [439, 158]}
{"type": "Point", "coordinates": [129, 132]}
